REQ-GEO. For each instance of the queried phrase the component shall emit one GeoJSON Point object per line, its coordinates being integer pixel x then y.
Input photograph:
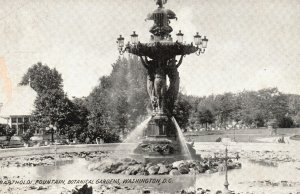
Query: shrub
{"type": "Point", "coordinates": [5, 130]}
{"type": "Point", "coordinates": [286, 122]}
{"type": "Point", "coordinates": [27, 135]}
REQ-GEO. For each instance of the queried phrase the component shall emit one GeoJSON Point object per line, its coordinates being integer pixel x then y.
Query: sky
{"type": "Point", "coordinates": [253, 44]}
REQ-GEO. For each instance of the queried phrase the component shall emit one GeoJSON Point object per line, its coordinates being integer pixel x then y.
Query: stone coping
{"type": "Point", "coordinates": [25, 151]}
{"type": "Point", "coordinates": [53, 149]}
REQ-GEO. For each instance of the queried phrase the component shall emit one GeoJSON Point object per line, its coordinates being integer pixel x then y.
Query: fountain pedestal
{"type": "Point", "coordinates": [161, 142]}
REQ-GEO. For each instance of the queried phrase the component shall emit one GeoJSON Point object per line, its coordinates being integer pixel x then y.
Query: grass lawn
{"type": "Point", "coordinates": [245, 135]}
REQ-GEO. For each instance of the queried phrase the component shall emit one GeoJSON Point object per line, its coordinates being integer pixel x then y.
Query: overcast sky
{"type": "Point", "coordinates": [253, 44]}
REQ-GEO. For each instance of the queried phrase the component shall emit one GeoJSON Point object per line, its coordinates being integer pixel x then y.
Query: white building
{"type": "Point", "coordinates": [17, 111]}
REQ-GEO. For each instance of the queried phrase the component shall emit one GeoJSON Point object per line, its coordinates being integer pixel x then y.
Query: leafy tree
{"type": "Point", "coordinates": [250, 111]}
{"type": "Point", "coordinates": [42, 78]}
{"type": "Point", "coordinates": [296, 119]}
{"type": "Point", "coordinates": [120, 99]}
{"type": "Point", "coordinates": [5, 130]}
{"type": "Point", "coordinates": [272, 103]}
{"type": "Point", "coordinates": [181, 111]}
{"type": "Point", "coordinates": [99, 118]}
{"type": "Point", "coordinates": [285, 122]}
{"type": "Point", "coordinates": [79, 118]}
{"type": "Point", "coordinates": [224, 107]}
{"type": "Point", "coordinates": [122, 112]}
{"type": "Point", "coordinates": [205, 116]}
{"type": "Point", "coordinates": [293, 103]}
{"type": "Point", "coordinates": [2, 130]}
{"type": "Point", "coordinates": [52, 105]}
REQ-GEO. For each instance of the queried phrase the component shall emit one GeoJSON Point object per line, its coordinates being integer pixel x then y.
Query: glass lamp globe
{"type": "Point", "coordinates": [204, 42]}
{"type": "Point", "coordinates": [179, 37]}
{"type": "Point", "coordinates": [197, 39]}
{"type": "Point", "coordinates": [134, 38]}
{"type": "Point", "coordinates": [120, 41]}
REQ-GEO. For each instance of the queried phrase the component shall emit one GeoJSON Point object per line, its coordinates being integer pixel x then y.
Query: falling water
{"type": "Point", "coordinates": [128, 146]}
{"type": "Point", "coordinates": [137, 133]}
{"type": "Point", "coordinates": [182, 140]}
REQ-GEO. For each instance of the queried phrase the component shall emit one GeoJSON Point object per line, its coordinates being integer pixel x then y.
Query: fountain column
{"type": "Point", "coordinates": [162, 139]}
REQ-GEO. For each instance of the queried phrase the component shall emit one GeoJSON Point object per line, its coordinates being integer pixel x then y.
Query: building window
{"type": "Point", "coordinates": [26, 120]}
{"type": "Point", "coordinates": [20, 120]}
{"type": "Point", "coordinates": [14, 127]}
{"type": "Point", "coordinates": [14, 120]}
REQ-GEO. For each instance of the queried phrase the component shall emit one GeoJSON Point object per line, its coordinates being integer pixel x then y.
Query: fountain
{"type": "Point", "coordinates": [157, 146]}
{"type": "Point", "coordinates": [162, 138]}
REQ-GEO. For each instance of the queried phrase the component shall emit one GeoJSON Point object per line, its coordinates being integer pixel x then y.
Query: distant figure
{"type": "Point", "coordinates": [281, 140]}
{"type": "Point", "coordinates": [219, 139]}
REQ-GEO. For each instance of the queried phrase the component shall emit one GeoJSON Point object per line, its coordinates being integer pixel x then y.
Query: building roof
{"type": "Point", "coordinates": [21, 102]}
{"type": "Point", "coordinates": [3, 121]}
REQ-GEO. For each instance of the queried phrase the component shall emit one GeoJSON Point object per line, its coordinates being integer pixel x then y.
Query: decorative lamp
{"type": "Point", "coordinates": [134, 38]}
{"type": "Point", "coordinates": [197, 39]}
{"type": "Point", "coordinates": [204, 42]}
{"type": "Point", "coordinates": [179, 37]}
{"type": "Point", "coordinates": [120, 42]}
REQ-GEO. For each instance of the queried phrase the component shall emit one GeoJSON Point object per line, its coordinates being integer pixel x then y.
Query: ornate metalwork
{"type": "Point", "coordinates": [161, 50]}
{"type": "Point", "coordinates": [159, 58]}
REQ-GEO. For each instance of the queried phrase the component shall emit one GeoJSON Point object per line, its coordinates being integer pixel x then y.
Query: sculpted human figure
{"type": "Point", "coordinates": [162, 98]}
{"type": "Point", "coordinates": [150, 66]}
{"type": "Point", "coordinates": [156, 83]}
{"type": "Point", "coordinates": [173, 76]}
{"type": "Point", "coordinates": [160, 85]}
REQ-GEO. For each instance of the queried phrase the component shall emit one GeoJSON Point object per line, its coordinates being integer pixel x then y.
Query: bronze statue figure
{"type": "Point", "coordinates": [162, 98]}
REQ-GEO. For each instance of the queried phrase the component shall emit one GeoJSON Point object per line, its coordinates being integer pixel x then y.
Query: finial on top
{"type": "Point", "coordinates": [160, 3]}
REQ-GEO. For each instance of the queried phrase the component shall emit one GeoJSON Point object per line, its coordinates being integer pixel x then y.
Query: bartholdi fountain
{"type": "Point", "coordinates": [162, 139]}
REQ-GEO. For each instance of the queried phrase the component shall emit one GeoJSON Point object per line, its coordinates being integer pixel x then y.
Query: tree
{"type": "Point", "coordinates": [250, 110]}
{"type": "Point", "coordinates": [296, 119]}
{"type": "Point", "coordinates": [224, 107]}
{"type": "Point", "coordinates": [285, 122]}
{"type": "Point", "coordinates": [122, 112]}
{"type": "Point", "coordinates": [52, 105]}
{"type": "Point", "coordinates": [120, 99]}
{"type": "Point", "coordinates": [5, 130]}
{"type": "Point", "coordinates": [42, 78]}
{"type": "Point", "coordinates": [293, 103]}
{"type": "Point", "coordinates": [273, 104]}
{"type": "Point", "coordinates": [182, 110]}
{"type": "Point", "coordinates": [2, 130]}
{"type": "Point", "coordinates": [79, 118]}
{"type": "Point", "coordinates": [205, 116]}
{"type": "Point", "coordinates": [99, 119]}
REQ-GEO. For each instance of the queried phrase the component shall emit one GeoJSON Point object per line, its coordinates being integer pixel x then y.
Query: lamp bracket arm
{"type": "Point", "coordinates": [144, 62]}
{"type": "Point", "coordinates": [180, 61]}
{"type": "Point", "coordinates": [147, 61]}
